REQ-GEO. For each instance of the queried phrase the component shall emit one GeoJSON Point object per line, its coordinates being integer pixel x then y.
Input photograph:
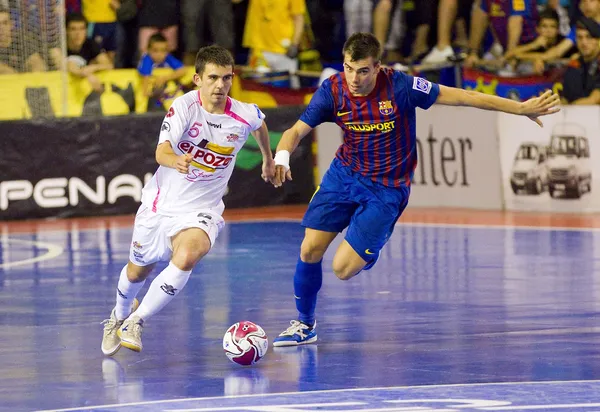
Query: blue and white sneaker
{"type": "Point", "coordinates": [297, 334]}
{"type": "Point", "coordinates": [372, 262]}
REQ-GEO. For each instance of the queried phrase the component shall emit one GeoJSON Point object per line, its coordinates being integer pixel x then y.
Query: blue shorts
{"type": "Point", "coordinates": [369, 210]}
{"type": "Point", "coordinates": [105, 34]}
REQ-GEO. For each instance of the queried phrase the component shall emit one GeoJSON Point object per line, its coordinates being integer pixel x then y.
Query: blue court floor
{"type": "Point", "coordinates": [452, 318]}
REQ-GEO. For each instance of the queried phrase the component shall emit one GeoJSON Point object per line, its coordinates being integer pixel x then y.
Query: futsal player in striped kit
{"type": "Point", "coordinates": [367, 186]}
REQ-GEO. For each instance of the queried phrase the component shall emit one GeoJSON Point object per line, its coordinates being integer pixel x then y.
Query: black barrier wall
{"type": "Point", "coordinates": [98, 166]}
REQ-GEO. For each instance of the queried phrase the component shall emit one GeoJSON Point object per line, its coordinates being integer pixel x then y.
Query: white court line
{"type": "Point", "coordinates": [258, 395]}
{"type": "Point", "coordinates": [53, 251]}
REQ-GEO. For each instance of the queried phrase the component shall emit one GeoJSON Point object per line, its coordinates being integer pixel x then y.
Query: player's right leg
{"type": "Point", "coordinates": [307, 283]}
{"type": "Point", "coordinates": [131, 280]}
{"type": "Point", "coordinates": [143, 251]}
{"type": "Point", "coordinates": [329, 212]}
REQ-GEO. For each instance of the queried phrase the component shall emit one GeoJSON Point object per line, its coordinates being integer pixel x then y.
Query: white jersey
{"type": "Point", "coordinates": [213, 140]}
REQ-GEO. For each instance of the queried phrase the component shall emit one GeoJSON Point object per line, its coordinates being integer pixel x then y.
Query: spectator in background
{"type": "Point", "coordinates": [273, 32]}
{"type": "Point", "coordinates": [512, 22]}
{"type": "Point", "coordinates": [158, 16]}
{"type": "Point", "coordinates": [158, 56]}
{"type": "Point", "coordinates": [548, 38]}
{"type": "Point", "coordinates": [581, 83]}
{"type": "Point", "coordinates": [18, 54]}
{"type": "Point", "coordinates": [358, 16]}
{"type": "Point", "coordinates": [382, 14]}
{"type": "Point", "coordinates": [84, 56]}
{"type": "Point", "coordinates": [561, 7]}
{"type": "Point", "coordinates": [101, 16]}
{"type": "Point", "coordinates": [206, 22]}
{"type": "Point", "coordinates": [589, 9]}
{"type": "Point", "coordinates": [450, 13]}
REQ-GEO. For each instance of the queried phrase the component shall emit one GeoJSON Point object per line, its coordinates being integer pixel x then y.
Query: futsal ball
{"type": "Point", "coordinates": [245, 343]}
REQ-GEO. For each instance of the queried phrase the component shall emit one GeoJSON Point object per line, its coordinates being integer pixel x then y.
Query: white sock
{"type": "Point", "coordinates": [126, 293]}
{"type": "Point", "coordinates": [162, 290]}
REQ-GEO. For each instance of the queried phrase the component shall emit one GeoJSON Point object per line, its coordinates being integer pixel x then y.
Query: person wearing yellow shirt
{"type": "Point", "coordinates": [273, 32]}
{"type": "Point", "coordinates": [101, 16]}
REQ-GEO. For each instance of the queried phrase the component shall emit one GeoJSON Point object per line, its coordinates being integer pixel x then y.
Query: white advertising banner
{"type": "Point", "coordinates": [549, 169]}
{"type": "Point", "coordinates": [459, 165]}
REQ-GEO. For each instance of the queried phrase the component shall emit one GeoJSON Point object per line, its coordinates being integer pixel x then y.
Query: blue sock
{"type": "Point", "coordinates": [307, 282]}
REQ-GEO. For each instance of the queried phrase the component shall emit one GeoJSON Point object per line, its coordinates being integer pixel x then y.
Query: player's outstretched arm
{"type": "Point", "coordinates": [261, 135]}
{"type": "Point", "coordinates": [547, 103]}
{"type": "Point", "coordinates": [289, 142]}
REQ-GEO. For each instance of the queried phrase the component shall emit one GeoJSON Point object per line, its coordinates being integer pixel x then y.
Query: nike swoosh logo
{"type": "Point", "coordinates": [368, 252]}
{"type": "Point", "coordinates": [340, 114]}
{"type": "Point", "coordinates": [296, 297]}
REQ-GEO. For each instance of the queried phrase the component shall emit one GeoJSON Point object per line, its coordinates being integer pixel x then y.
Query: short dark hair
{"type": "Point", "coordinates": [156, 38]}
{"type": "Point", "coordinates": [586, 23]}
{"type": "Point", "coordinates": [362, 45]}
{"type": "Point", "coordinates": [74, 17]}
{"type": "Point", "coordinates": [548, 14]}
{"type": "Point", "coordinates": [213, 54]}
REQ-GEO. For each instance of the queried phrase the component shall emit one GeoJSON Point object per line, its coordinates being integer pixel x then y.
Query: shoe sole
{"type": "Point", "coordinates": [136, 303]}
{"type": "Point", "coordinates": [130, 345]}
{"type": "Point", "coordinates": [282, 343]}
{"type": "Point", "coordinates": [113, 351]}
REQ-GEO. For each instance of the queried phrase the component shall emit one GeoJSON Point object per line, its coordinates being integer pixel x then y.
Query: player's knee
{"type": "Point", "coordinates": [136, 274]}
{"type": "Point", "coordinates": [344, 271]}
{"type": "Point", "coordinates": [311, 252]}
{"type": "Point", "coordinates": [186, 259]}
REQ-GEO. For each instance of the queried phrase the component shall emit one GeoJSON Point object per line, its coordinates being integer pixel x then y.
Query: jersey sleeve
{"type": "Point", "coordinates": [145, 66]}
{"type": "Point", "coordinates": [256, 117]}
{"type": "Point", "coordinates": [321, 106]}
{"type": "Point", "coordinates": [175, 123]}
{"type": "Point", "coordinates": [421, 92]}
{"type": "Point", "coordinates": [173, 62]}
{"type": "Point", "coordinates": [572, 35]}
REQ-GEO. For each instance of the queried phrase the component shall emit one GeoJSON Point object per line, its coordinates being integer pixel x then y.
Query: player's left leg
{"type": "Point", "coordinates": [192, 238]}
{"type": "Point", "coordinates": [369, 229]}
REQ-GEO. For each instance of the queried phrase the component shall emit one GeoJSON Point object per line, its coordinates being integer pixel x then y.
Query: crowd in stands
{"type": "Point", "coordinates": [509, 37]}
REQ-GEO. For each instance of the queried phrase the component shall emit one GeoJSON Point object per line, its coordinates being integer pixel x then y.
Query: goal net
{"type": "Point", "coordinates": [32, 40]}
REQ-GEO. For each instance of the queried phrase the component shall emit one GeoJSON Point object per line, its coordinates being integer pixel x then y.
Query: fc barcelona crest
{"type": "Point", "coordinates": [385, 107]}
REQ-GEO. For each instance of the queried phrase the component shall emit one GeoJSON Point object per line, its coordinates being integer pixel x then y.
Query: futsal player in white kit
{"type": "Point", "coordinates": [180, 215]}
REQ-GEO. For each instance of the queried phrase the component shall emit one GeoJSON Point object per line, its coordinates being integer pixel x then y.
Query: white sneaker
{"type": "Point", "coordinates": [111, 342]}
{"type": "Point", "coordinates": [131, 333]}
{"type": "Point", "coordinates": [438, 56]}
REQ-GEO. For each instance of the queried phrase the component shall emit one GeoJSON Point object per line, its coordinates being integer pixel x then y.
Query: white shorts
{"type": "Point", "coordinates": [152, 233]}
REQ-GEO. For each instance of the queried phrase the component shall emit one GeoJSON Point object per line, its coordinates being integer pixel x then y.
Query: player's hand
{"type": "Point", "coordinates": [547, 103]}
{"type": "Point", "coordinates": [268, 171]}
{"type": "Point", "coordinates": [182, 165]}
{"type": "Point", "coordinates": [281, 175]}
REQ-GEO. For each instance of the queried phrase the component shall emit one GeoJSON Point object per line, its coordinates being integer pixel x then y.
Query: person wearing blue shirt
{"type": "Point", "coordinates": [157, 57]}
{"type": "Point", "coordinates": [367, 186]}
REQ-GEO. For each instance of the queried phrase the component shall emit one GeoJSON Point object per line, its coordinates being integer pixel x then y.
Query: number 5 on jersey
{"type": "Point", "coordinates": [195, 130]}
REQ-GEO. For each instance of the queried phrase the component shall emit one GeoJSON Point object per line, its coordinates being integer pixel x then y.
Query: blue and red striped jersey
{"type": "Point", "coordinates": [379, 129]}
{"type": "Point", "coordinates": [499, 11]}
